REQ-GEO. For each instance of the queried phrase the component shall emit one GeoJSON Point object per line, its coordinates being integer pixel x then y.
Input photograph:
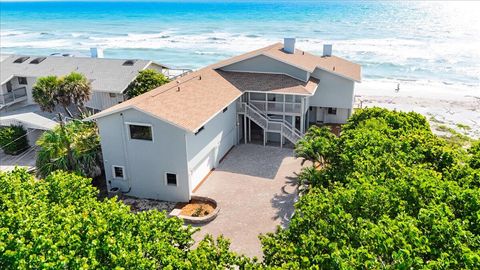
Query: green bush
{"type": "Point", "coordinates": [146, 80]}
{"type": "Point", "coordinates": [392, 196]}
{"type": "Point", "coordinates": [58, 223]}
{"type": "Point", "coordinates": [83, 141]}
{"type": "Point", "coordinates": [13, 139]}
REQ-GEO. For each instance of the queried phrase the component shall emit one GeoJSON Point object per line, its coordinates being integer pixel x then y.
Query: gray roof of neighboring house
{"type": "Point", "coordinates": [105, 74]}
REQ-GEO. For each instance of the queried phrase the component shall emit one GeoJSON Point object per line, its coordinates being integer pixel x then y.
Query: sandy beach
{"type": "Point", "coordinates": [457, 107]}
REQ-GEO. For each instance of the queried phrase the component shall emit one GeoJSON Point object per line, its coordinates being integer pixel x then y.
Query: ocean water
{"type": "Point", "coordinates": [424, 42]}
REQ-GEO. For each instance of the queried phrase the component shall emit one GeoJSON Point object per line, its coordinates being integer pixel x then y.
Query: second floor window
{"type": "Point", "coordinates": [22, 80]}
{"type": "Point", "coordinates": [140, 132]}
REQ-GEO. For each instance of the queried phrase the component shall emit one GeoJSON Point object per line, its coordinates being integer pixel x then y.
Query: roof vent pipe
{"type": "Point", "coordinates": [289, 45]}
{"type": "Point", "coordinates": [96, 52]}
{"type": "Point", "coordinates": [327, 49]}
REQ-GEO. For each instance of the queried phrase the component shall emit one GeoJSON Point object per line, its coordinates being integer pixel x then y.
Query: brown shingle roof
{"type": "Point", "coordinates": [192, 100]}
{"type": "Point", "coordinates": [303, 60]}
{"type": "Point", "coordinates": [276, 83]}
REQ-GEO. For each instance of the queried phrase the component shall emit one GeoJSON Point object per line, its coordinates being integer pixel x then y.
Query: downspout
{"type": "Point", "coordinates": [125, 153]}
{"type": "Point", "coordinates": [188, 167]}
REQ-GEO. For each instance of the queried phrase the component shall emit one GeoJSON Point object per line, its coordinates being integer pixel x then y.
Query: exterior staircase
{"type": "Point", "coordinates": [261, 118]}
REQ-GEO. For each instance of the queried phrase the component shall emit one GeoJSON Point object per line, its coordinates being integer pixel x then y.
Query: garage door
{"type": "Point", "coordinates": [201, 170]}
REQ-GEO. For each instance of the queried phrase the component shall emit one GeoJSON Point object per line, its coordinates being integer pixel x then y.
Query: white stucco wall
{"type": "Point", "coordinates": [321, 115]}
{"type": "Point", "coordinates": [145, 162]}
{"type": "Point", "coordinates": [217, 137]}
{"type": "Point", "coordinates": [264, 64]}
{"type": "Point", "coordinates": [333, 91]}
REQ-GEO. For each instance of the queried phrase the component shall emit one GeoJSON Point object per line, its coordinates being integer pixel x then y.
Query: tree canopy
{"type": "Point", "coordinates": [146, 80]}
{"type": "Point", "coordinates": [390, 195]}
{"type": "Point", "coordinates": [393, 195]}
{"type": "Point", "coordinates": [58, 223]}
{"type": "Point", "coordinates": [72, 89]}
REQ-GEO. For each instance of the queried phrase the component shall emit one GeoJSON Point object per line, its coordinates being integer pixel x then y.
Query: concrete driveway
{"type": "Point", "coordinates": [26, 159]}
{"type": "Point", "coordinates": [255, 188]}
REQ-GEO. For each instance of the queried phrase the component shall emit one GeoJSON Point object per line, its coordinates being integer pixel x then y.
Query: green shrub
{"type": "Point", "coordinates": [393, 196]}
{"type": "Point", "coordinates": [84, 143]}
{"type": "Point", "coordinates": [146, 80]}
{"type": "Point", "coordinates": [58, 223]}
{"type": "Point", "coordinates": [13, 139]}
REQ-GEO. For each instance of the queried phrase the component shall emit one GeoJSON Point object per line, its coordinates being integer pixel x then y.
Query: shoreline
{"type": "Point", "coordinates": [457, 107]}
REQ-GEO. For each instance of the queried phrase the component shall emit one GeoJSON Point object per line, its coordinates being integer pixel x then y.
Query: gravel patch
{"type": "Point", "coordinates": [138, 205]}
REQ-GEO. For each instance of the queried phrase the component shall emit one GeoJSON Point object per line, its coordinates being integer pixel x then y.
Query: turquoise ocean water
{"type": "Point", "coordinates": [414, 41]}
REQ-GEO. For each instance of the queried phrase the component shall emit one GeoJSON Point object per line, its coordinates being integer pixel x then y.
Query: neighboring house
{"type": "Point", "coordinates": [109, 77]}
{"type": "Point", "coordinates": [163, 143]}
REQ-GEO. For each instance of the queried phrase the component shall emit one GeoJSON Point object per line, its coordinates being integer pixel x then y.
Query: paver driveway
{"type": "Point", "coordinates": [255, 188]}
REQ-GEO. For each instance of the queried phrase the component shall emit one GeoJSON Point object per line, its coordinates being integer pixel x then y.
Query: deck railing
{"type": "Point", "coordinates": [262, 119]}
{"type": "Point", "coordinates": [11, 97]}
{"type": "Point", "coordinates": [278, 106]}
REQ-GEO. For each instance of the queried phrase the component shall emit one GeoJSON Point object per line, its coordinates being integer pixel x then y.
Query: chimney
{"type": "Point", "coordinates": [96, 52]}
{"type": "Point", "coordinates": [327, 49]}
{"type": "Point", "coordinates": [289, 45]}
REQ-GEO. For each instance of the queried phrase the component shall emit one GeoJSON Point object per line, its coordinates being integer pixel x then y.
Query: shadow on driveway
{"type": "Point", "coordinates": [255, 188]}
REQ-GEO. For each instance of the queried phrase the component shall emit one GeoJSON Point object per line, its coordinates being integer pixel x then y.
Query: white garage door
{"type": "Point", "coordinates": [201, 170]}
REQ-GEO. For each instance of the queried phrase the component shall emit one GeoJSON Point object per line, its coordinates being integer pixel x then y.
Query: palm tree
{"type": "Point", "coordinates": [72, 89]}
{"type": "Point", "coordinates": [317, 146]}
{"type": "Point", "coordinates": [44, 92]}
{"type": "Point", "coordinates": [74, 146]}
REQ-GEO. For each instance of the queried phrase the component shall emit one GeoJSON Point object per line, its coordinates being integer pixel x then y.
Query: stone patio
{"type": "Point", "coordinates": [255, 186]}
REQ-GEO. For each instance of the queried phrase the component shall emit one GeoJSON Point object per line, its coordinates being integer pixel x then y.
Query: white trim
{"type": "Point", "coordinates": [279, 93]}
{"type": "Point", "coordinates": [176, 179]}
{"type": "Point", "coordinates": [103, 114]}
{"type": "Point", "coordinates": [128, 124]}
{"type": "Point", "coordinates": [114, 174]}
{"type": "Point", "coordinates": [7, 80]}
{"type": "Point", "coordinates": [209, 119]}
{"type": "Point", "coordinates": [336, 73]}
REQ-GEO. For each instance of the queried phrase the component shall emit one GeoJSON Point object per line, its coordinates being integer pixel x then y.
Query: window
{"type": "Point", "coordinates": [118, 172]}
{"type": "Point", "coordinates": [140, 132]}
{"type": "Point", "coordinates": [112, 95]}
{"type": "Point", "coordinates": [332, 111]}
{"type": "Point", "coordinates": [171, 179]}
{"type": "Point", "coordinates": [22, 80]}
{"type": "Point", "coordinates": [129, 62]}
{"type": "Point", "coordinates": [37, 60]}
{"type": "Point", "coordinates": [200, 129]}
{"type": "Point", "coordinates": [226, 109]}
{"type": "Point", "coordinates": [9, 86]}
{"type": "Point", "coordinates": [21, 59]}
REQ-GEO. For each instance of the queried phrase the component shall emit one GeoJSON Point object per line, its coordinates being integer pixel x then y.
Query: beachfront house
{"type": "Point", "coordinates": [164, 143]}
{"type": "Point", "coordinates": [109, 77]}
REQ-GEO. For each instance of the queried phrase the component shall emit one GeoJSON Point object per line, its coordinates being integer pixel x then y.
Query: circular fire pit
{"type": "Point", "coordinates": [199, 210]}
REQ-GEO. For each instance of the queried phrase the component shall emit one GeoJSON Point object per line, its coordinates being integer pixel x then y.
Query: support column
{"type": "Point", "coordinates": [302, 123]}
{"type": "Point", "coordinates": [264, 137]}
{"type": "Point", "coordinates": [249, 130]}
{"type": "Point", "coordinates": [281, 137]}
{"type": "Point", "coordinates": [245, 128]}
